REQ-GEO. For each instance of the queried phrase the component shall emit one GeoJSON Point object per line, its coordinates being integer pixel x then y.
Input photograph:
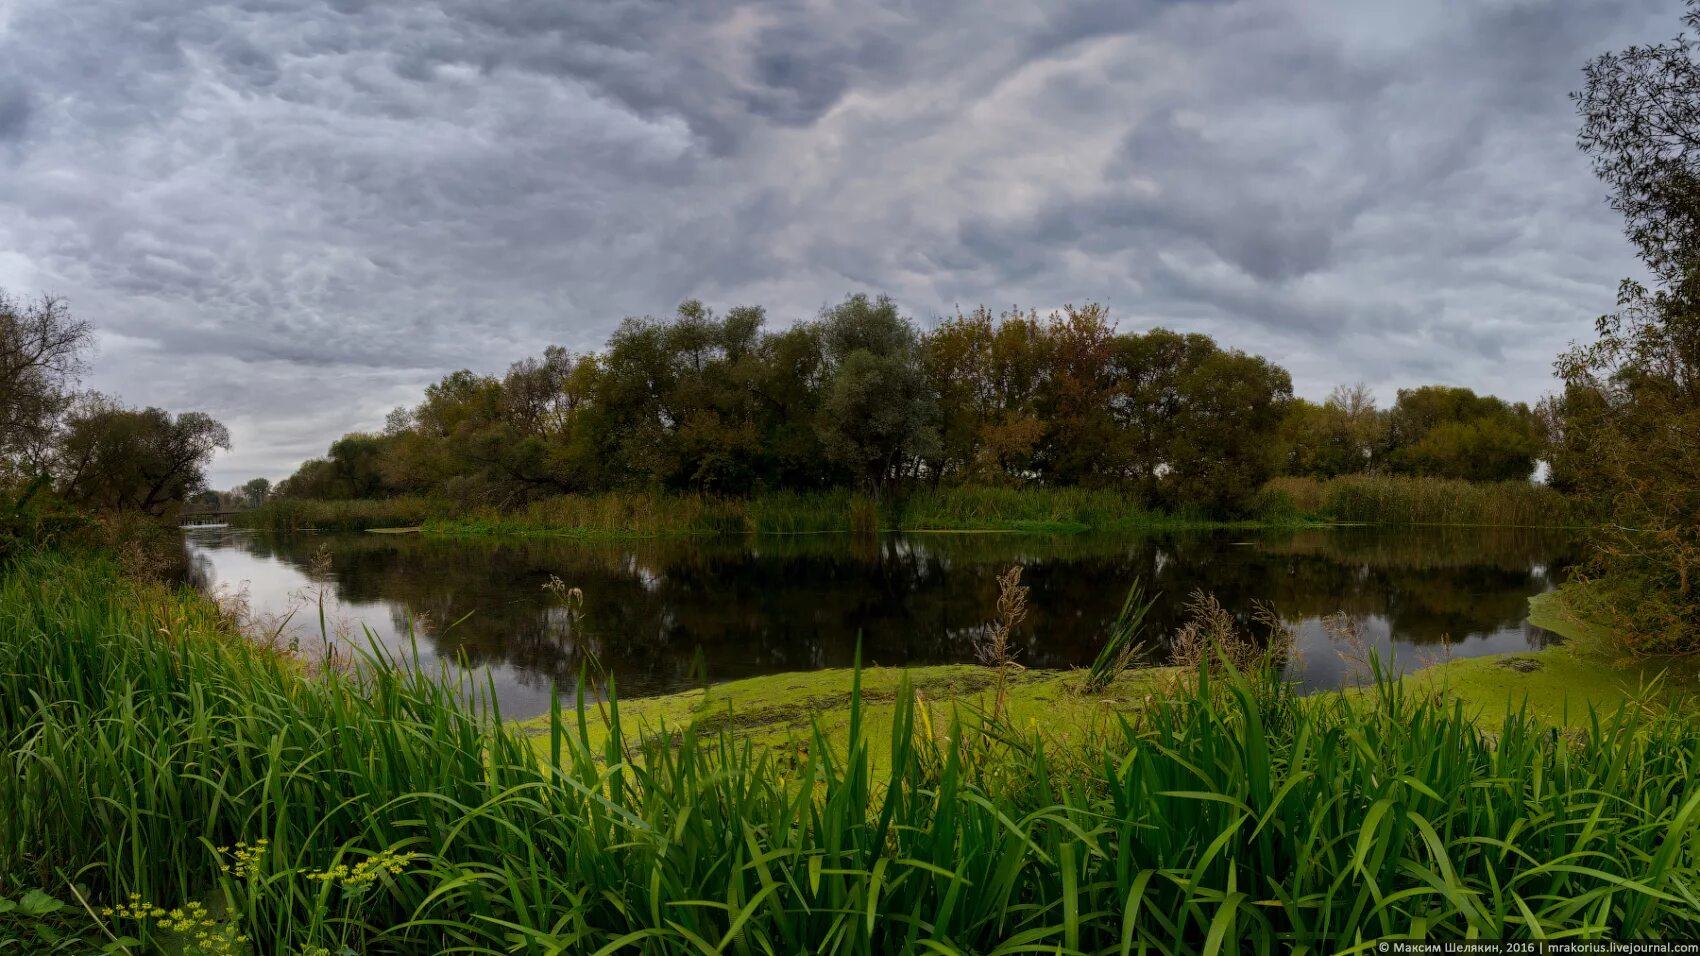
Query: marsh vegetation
{"type": "Point", "coordinates": [1227, 809]}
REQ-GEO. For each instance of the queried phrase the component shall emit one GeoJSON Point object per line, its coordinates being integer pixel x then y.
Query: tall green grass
{"type": "Point", "coordinates": [1285, 501]}
{"type": "Point", "coordinates": [1037, 508]}
{"type": "Point", "coordinates": [305, 514]}
{"type": "Point", "coordinates": [651, 514]}
{"type": "Point", "coordinates": [141, 736]}
{"type": "Point", "coordinates": [1396, 499]}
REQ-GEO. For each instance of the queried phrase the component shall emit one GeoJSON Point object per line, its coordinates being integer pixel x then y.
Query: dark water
{"type": "Point", "coordinates": [763, 605]}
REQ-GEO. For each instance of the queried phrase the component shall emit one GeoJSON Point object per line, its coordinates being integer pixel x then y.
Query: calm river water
{"type": "Point", "coordinates": [744, 607]}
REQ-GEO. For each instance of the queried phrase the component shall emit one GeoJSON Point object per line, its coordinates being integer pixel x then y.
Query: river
{"type": "Point", "coordinates": [659, 613]}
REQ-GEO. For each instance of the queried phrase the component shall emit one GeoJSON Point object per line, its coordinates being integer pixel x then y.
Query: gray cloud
{"type": "Point", "coordinates": [15, 108]}
{"type": "Point", "coordinates": [296, 214]}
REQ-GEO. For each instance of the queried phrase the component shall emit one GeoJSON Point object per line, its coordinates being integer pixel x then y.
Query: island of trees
{"type": "Point", "coordinates": [859, 397]}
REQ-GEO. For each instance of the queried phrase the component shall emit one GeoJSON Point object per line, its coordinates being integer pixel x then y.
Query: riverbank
{"type": "Point", "coordinates": [1284, 503]}
{"type": "Point", "coordinates": [643, 514]}
{"type": "Point", "coordinates": [1558, 685]}
{"type": "Point", "coordinates": [380, 812]}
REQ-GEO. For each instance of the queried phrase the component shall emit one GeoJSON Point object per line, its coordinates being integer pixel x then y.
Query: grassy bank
{"type": "Point", "coordinates": [639, 514]}
{"type": "Point", "coordinates": [1284, 502]}
{"type": "Point", "coordinates": [1563, 685]}
{"type": "Point", "coordinates": [143, 740]}
{"type": "Point", "coordinates": [1397, 500]}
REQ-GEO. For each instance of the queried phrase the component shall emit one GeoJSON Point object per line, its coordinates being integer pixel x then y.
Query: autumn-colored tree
{"type": "Point", "coordinates": [956, 358]}
{"type": "Point", "coordinates": [1074, 401]}
{"type": "Point", "coordinates": [1628, 427]}
{"type": "Point", "coordinates": [1019, 369]}
{"type": "Point", "coordinates": [987, 374]}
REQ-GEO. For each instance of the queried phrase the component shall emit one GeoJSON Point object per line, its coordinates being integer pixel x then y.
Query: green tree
{"type": "Point", "coordinates": [786, 377]}
{"type": "Point", "coordinates": [1230, 403]}
{"type": "Point", "coordinates": [1152, 371]}
{"type": "Point", "coordinates": [255, 490]}
{"type": "Point", "coordinates": [679, 399]}
{"type": "Point", "coordinates": [147, 460]}
{"type": "Point", "coordinates": [1339, 437]}
{"type": "Point", "coordinates": [1448, 432]}
{"type": "Point", "coordinates": [878, 418]}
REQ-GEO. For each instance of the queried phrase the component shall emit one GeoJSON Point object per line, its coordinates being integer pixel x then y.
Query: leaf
{"type": "Point", "coordinates": [37, 903]}
{"type": "Point", "coordinates": [6, 905]}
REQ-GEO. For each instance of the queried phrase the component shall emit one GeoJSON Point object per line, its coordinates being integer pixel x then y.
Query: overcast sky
{"type": "Point", "coordinates": [294, 215]}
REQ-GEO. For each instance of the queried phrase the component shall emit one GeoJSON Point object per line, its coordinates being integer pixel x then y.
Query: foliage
{"type": "Point", "coordinates": [1640, 108]}
{"type": "Point", "coordinates": [1443, 432]}
{"type": "Point", "coordinates": [41, 353]}
{"type": "Point", "coordinates": [1630, 440]}
{"type": "Point", "coordinates": [37, 922]}
{"type": "Point", "coordinates": [1396, 500]}
{"type": "Point", "coordinates": [876, 416]}
{"type": "Point", "coordinates": [1627, 425]}
{"type": "Point", "coordinates": [1231, 811]}
{"type": "Point", "coordinates": [1123, 647]}
{"type": "Point", "coordinates": [1434, 431]}
{"type": "Point", "coordinates": [149, 461]}
{"type": "Point", "coordinates": [1339, 437]}
{"type": "Point", "coordinates": [285, 513]}
{"type": "Point", "coordinates": [61, 452]}
{"type": "Point", "coordinates": [646, 514]}
{"type": "Point", "coordinates": [857, 398]}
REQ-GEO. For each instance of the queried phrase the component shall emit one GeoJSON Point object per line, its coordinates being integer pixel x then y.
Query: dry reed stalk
{"type": "Point", "coordinates": [995, 650]}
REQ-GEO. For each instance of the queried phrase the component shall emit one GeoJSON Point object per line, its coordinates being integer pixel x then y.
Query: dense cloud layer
{"type": "Point", "coordinates": [296, 214]}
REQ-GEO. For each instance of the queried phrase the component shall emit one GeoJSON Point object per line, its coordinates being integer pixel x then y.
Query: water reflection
{"type": "Point", "coordinates": [764, 605]}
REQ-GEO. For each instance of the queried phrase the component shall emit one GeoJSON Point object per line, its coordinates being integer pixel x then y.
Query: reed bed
{"type": "Point", "coordinates": [377, 809]}
{"type": "Point", "coordinates": [305, 514]}
{"type": "Point", "coordinates": [654, 514]}
{"type": "Point", "coordinates": [1284, 501]}
{"type": "Point", "coordinates": [1037, 508]}
{"type": "Point", "coordinates": [1396, 500]}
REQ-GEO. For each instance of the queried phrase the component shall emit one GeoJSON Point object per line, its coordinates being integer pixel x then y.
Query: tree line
{"type": "Point", "coordinates": [859, 396]}
{"type": "Point", "coordinates": [62, 445]}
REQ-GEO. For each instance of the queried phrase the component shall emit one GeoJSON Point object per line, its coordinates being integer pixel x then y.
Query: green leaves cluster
{"type": "Point", "coordinates": [37, 923]}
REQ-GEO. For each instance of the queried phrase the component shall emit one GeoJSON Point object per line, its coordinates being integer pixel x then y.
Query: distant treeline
{"type": "Point", "coordinates": [859, 397]}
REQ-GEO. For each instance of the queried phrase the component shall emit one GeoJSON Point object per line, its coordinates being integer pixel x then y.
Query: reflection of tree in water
{"type": "Point", "coordinates": [769, 604]}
